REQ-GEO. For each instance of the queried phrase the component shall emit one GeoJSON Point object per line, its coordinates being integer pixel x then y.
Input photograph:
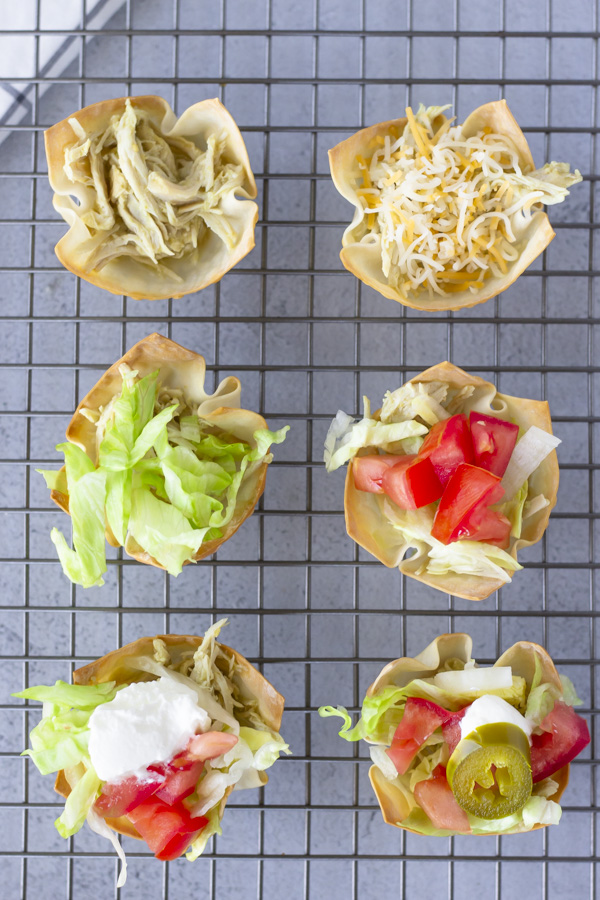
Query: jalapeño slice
{"type": "Point", "coordinates": [490, 771]}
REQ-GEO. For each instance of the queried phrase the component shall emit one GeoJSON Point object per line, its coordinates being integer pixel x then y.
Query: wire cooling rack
{"type": "Point", "coordinates": [320, 617]}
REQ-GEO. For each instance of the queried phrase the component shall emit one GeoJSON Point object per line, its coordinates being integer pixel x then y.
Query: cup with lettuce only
{"type": "Point", "coordinates": [466, 568]}
{"type": "Point", "coordinates": [445, 216]}
{"type": "Point", "coordinates": [173, 780]}
{"type": "Point", "coordinates": [156, 464]}
{"type": "Point", "coordinates": [430, 771]}
{"type": "Point", "coordinates": [157, 206]}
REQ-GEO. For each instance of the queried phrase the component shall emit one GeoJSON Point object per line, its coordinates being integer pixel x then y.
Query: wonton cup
{"type": "Point", "coordinates": [521, 657]}
{"type": "Point", "coordinates": [183, 369]}
{"type": "Point", "coordinates": [114, 667]}
{"type": "Point", "coordinates": [367, 524]}
{"type": "Point", "coordinates": [125, 275]}
{"type": "Point", "coordinates": [364, 260]}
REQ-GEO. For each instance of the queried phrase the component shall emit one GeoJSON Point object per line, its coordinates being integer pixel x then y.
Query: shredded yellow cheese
{"type": "Point", "coordinates": [442, 203]}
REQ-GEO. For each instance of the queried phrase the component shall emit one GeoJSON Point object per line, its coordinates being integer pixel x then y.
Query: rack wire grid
{"type": "Point", "coordinates": [319, 616]}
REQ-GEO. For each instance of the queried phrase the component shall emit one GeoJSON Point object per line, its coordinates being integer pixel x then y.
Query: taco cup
{"type": "Point", "coordinates": [414, 234]}
{"type": "Point", "coordinates": [230, 736]}
{"type": "Point", "coordinates": [437, 725]}
{"type": "Point", "coordinates": [206, 459]}
{"type": "Point", "coordinates": [157, 206]}
{"type": "Point", "coordinates": [398, 431]}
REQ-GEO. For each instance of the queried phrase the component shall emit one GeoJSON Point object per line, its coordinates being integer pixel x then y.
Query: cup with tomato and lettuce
{"type": "Point", "coordinates": [448, 479]}
{"type": "Point", "coordinates": [156, 464]}
{"type": "Point", "coordinates": [462, 749]}
{"type": "Point", "coordinates": [150, 740]}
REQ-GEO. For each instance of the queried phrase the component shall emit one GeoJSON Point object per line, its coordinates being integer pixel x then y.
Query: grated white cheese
{"type": "Point", "coordinates": [443, 204]}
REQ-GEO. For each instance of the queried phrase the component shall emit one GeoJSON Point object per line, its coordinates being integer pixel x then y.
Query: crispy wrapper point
{"type": "Point", "coordinates": [521, 657]}
{"type": "Point", "coordinates": [367, 524]}
{"type": "Point", "coordinates": [115, 667]}
{"type": "Point", "coordinates": [126, 275]}
{"type": "Point", "coordinates": [183, 369]}
{"type": "Point", "coordinates": [364, 260]}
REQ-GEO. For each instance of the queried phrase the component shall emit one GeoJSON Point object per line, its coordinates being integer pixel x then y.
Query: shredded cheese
{"type": "Point", "coordinates": [442, 203]}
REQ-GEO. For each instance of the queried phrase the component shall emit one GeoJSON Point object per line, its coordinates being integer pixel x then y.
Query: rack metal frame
{"type": "Point", "coordinates": [306, 869]}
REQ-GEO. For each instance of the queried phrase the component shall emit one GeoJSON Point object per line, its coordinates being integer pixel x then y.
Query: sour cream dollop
{"type": "Point", "coordinates": [147, 722]}
{"type": "Point", "coordinates": [489, 710]}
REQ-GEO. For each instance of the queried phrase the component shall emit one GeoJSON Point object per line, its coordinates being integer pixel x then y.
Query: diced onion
{"type": "Point", "coordinates": [485, 679]}
{"type": "Point", "coordinates": [533, 448]}
{"type": "Point", "coordinates": [383, 762]}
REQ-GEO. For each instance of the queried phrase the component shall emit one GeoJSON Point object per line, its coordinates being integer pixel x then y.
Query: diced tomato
{"type": "Point", "coordinates": [490, 526]}
{"type": "Point", "coordinates": [177, 846]}
{"type": "Point", "coordinates": [565, 734]}
{"type": "Point", "coordinates": [451, 728]}
{"type": "Point", "coordinates": [435, 798]}
{"type": "Point", "coordinates": [159, 824]}
{"type": "Point", "coordinates": [420, 720]}
{"type": "Point", "coordinates": [412, 483]}
{"type": "Point", "coordinates": [369, 470]}
{"type": "Point", "coordinates": [210, 744]}
{"type": "Point", "coordinates": [469, 488]}
{"type": "Point", "coordinates": [118, 799]}
{"type": "Point", "coordinates": [493, 442]}
{"type": "Point", "coordinates": [447, 445]}
{"type": "Point", "coordinates": [181, 782]}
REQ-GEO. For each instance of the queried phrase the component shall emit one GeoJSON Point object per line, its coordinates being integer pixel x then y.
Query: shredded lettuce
{"type": "Point", "coordinates": [346, 436]}
{"type": "Point", "coordinates": [513, 510]}
{"type": "Point", "coordinates": [162, 478]}
{"type": "Point", "coordinates": [462, 557]}
{"type": "Point", "coordinates": [241, 767]}
{"type": "Point", "coordinates": [98, 824]}
{"type": "Point", "coordinates": [265, 747]}
{"type": "Point", "coordinates": [537, 811]}
{"type": "Point", "coordinates": [543, 695]}
{"type": "Point", "coordinates": [569, 694]}
{"type": "Point", "coordinates": [60, 739]}
{"type": "Point", "coordinates": [381, 713]}
{"type": "Point", "coordinates": [78, 803]}
{"type": "Point", "coordinates": [471, 558]}
{"type": "Point", "coordinates": [86, 487]}
{"type": "Point", "coordinates": [213, 826]}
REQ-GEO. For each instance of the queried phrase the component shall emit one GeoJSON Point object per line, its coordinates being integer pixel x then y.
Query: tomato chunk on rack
{"type": "Point", "coordinates": [447, 445]}
{"type": "Point", "coordinates": [368, 471]}
{"type": "Point", "coordinates": [412, 483]}
{"type": "Point", "coordinates": [564, 736]}
{"type": "Point", "coordinates": [493, 442]}
{"type": "Point", "coordinates": [421, 718]}
{"type": "Point", "coordinates": [461, 513]}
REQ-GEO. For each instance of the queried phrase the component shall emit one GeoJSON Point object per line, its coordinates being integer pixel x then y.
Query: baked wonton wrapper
{"type": "Point", "coordinates": [125, 275]}
{"type": "Point", "coordinates": [368, 525]}
{"type": "Point", "coordinates": [521, 657]}
{"type": "Point", "coordinates": [114, 667]}
{"type": "Point", "coordinates": [183, 369]}
{"type": "Point", "coordinates": [364, 259]}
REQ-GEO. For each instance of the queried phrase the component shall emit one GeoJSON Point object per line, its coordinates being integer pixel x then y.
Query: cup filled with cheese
{"type": "Point", "coordinates": [445, 215]}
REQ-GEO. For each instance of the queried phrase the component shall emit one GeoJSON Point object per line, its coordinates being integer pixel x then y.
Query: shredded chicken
{"type": "Point", "coordinates": [155, 196]}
